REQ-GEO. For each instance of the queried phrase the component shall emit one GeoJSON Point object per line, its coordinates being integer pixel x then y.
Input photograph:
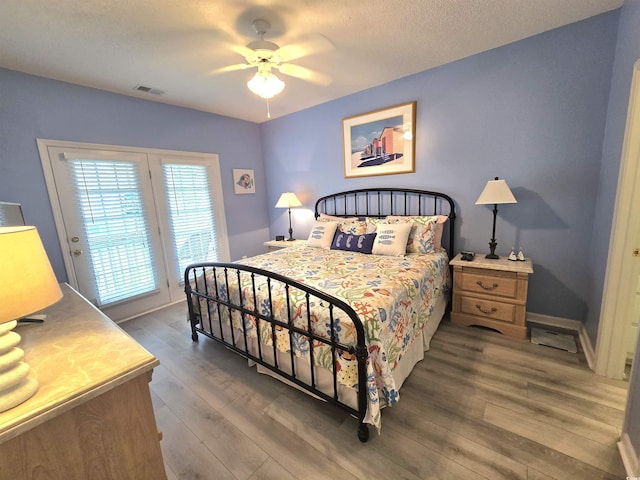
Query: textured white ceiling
{"type": "Point", "coordinates": [176, 45]}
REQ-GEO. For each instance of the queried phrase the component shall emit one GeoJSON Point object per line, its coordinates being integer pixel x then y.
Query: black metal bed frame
{"type": "Point", "coordinates": [376, 202]}
{"type": "Point", "coordinates": [381, 202]}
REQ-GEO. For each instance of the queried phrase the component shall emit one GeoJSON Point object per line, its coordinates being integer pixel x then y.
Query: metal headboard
{"type": "Point", "coordinates": [380, 202]}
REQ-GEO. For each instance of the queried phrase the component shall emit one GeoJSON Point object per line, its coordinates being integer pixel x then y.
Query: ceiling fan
{"type": "Point", "coordinates": [267, 56]}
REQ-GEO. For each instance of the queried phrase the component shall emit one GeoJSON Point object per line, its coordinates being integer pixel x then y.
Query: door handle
{"type": "Point", "coordinates": [77, 252]}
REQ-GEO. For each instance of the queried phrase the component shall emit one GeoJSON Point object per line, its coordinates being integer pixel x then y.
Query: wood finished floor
{"type": "Point", "coordinates": [479, 406]}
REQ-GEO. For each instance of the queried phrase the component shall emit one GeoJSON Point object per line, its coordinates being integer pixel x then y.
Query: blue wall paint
{"type": "Point", "coordinates": [627, 54]}
{"type": "Point", "coordinates": [532, 112]}
{"type": "Point", "coordinates": [33, 107]}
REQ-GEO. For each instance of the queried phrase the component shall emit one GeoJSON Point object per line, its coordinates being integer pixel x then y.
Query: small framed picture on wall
{"type": "Point", "coordinates": [243, 181]}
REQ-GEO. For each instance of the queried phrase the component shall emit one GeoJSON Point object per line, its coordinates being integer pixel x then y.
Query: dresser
{"type": "Point", "coordinates": [491, 293]}
{"type": "Point", "coordinates": [280, 244]}
{"type": "Point", "coordinates": [92, 415]}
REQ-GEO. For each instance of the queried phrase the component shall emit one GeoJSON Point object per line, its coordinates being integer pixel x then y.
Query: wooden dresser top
{"type": "Point", "coordinates": [76, 354]}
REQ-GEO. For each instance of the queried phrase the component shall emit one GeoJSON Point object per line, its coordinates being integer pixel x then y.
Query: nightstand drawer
{"type": "Point", "coordinates": [502, 284]}
{"type": "Point", "coordinates": [504, 312]}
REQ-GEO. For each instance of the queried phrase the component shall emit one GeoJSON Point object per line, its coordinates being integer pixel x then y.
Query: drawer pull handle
{"type": "Point", "coordinates": [486, 311]}
{"type": "Point", "coordinates": [487, 287]}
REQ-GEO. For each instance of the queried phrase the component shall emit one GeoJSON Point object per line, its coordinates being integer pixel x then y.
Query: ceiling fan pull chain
{"type": "Point", "coordinates": [268, 111]}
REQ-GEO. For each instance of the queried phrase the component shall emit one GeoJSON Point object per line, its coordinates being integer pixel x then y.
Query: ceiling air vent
{"type": "Point", "coordinates": [150, 90]}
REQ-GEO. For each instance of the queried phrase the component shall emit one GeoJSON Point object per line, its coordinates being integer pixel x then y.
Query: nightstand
{"type": "Point", "coordinates": [278, 244]}
{"type": "Point", "coordinates": [491, 293]}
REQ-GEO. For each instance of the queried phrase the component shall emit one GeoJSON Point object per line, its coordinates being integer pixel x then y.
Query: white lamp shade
{"type": "Point", "coordinates": [495, 192]}
{"type": "Point", "coordinates": [265, 84]}
{"type": "Point", "coordinates": [288, 200]}
{"type": "Point", "coordinates": [27, 281]}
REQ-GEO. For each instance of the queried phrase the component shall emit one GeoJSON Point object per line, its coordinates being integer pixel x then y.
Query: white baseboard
{"type": "Point", "coordinates": [151, 311]}
{"type": "Point", "coordinates": [569, 325]}
{"type": "Point", "coordinates": [629, 456]}
{"type": "Point", "coordinates": [558, 322]}
{"type": "Point", "coordinates": [589, 352]}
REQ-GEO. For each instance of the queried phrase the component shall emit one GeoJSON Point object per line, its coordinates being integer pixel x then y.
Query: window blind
{"type": "Point", "coordinates": [115, 228]}
{"type": "Point", "coordinates": [191, 214]}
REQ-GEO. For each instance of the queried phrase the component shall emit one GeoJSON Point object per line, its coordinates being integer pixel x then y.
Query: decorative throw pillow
{"type": "Point", "coordinates": [331, 218]}
{"type": "Point", "coordinates": [353, 227]}
{"type": "Point", "coordinates": [437, 242]}
{"type": "Point", "coordinates": [391, 239]}
{"type": "Point", "coordinates": [373, 222]}
{"type": "Point", "coordinates": [426, 234]}
{"type": "Point", "coordinates": [353, 243]}
{"type": "Point", "coordinates": [321, 234]}
{"type": "Point", "coordinates": [346, 224]}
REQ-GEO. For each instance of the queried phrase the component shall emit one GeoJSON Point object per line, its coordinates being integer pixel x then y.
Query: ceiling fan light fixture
{"type": "Point", "coordinates": [265, 84]}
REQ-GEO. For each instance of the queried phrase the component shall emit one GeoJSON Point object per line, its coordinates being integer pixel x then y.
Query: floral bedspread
{"type": "Point", "coordinates": [393, 296]}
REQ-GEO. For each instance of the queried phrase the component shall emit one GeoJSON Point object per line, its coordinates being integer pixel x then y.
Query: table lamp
{"type": "Point", "coordinates": [27, 285]}
{"type": "Point", "coordinates": [288, 200]}
{"type": "Point", "coordinates": [495, 192]}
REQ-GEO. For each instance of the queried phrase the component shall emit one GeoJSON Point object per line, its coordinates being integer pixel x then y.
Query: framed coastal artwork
{"type": "Point", "coordinates": [243, 181]}
{"type": "Point", "coordinates": [380, 142]}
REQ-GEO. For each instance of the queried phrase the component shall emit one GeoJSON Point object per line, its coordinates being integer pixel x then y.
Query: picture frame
{"type": "Point", "coordinates": [381, 142]}
{"type": "Point", "coordinates": [243, 181]}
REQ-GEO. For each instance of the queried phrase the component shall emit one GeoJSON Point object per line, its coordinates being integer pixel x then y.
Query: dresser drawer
{"type": "Point", "coordinates": [504, 312]}
{"type": "Point", "coordinates": [502, 284]}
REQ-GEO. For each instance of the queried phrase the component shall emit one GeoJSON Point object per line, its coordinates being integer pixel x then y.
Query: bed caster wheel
{"type": "Point", "coordinates": [194, 337]}
{"type": "Point", "coordinates": [363, 433]}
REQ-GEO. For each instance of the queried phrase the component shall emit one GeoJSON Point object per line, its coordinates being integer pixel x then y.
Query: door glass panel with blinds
{"type": "Point", "coordinates": [190, 208]}
{"type": "Point", "coordinates": [132, 222]}
{"type": "Point", "coordinates": [190, 214]}
{"type": "Point", "coordinates": [114, 227]}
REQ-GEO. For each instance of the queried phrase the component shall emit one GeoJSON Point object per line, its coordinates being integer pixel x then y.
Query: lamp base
{"type": "Point", "coordinates": [493, 244]}
{"type": "Point", "coordinates": [290, 239]}
{"type": "Point", "coordinates": [18, 394]}
{"type": "Point", "coordinates": [15, 386]}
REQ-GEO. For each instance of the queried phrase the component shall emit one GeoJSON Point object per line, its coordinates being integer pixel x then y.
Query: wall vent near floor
{"type": "Point", "coordinates": [549, 338]}
{"type": "Point", "coordinates": [150, 90]}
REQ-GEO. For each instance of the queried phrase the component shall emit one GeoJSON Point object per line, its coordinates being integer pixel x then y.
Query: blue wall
{"type": "Point", "coordinates": [532, 112]}
{"type": "Point", "coordinates": [627, 54]}
{"type": "Point", "coordinates": [33, 107]}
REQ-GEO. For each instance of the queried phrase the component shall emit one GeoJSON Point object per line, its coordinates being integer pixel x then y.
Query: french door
{"type": "Point", "coordinates": [130, 220]}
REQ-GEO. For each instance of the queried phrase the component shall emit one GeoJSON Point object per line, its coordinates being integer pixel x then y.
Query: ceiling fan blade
{"type": "Point", "coordinates": [231, 68]}
{"type": "Point", "coordinates": [310, 46]}
{"type": "Point", "coordinates": [304, 73]}
{"type": "Point", "coordinates": [246, 52]}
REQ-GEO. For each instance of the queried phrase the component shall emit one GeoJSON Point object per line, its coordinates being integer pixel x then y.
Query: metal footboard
{"type": "Point", "coordinates": [214, 298]}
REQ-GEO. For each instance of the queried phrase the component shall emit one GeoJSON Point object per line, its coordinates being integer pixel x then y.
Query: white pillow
{"type": "Point", "coordinates": [322, 234]}
{"type": "Point", "coordinates": [391, 239]}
